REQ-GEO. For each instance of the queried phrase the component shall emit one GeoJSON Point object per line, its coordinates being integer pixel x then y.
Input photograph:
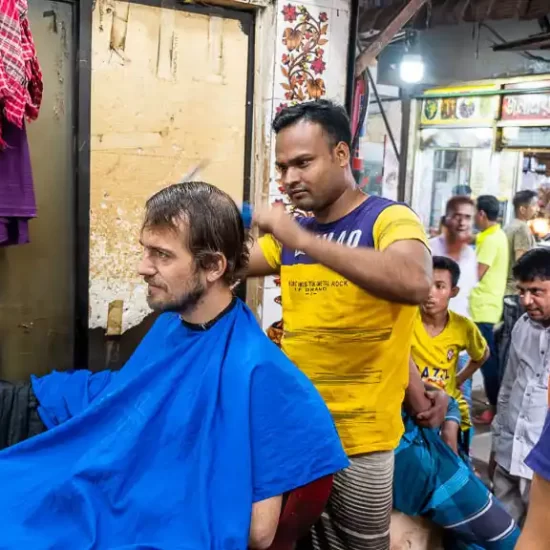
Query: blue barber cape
{"type": "Point", "coordinates": [171, 451]}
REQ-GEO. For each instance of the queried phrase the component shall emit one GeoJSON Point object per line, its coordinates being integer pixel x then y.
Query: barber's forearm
{"type": "Point", "coordinates": [385, 274]}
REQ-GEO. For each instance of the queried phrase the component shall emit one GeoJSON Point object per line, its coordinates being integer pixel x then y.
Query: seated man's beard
{"type": "Point", "coordinates": [185, 302]}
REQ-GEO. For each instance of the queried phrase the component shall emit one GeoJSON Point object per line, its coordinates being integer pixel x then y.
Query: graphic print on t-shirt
{"type": "Point", "coordinates": [352, 345]}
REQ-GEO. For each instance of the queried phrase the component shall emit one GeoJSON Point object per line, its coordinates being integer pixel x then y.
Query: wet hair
{"type": "Point", "coordinates": [214, 224]}
{"type": "Point", "coordinates": [447, 264]}
{"type": "Point", "coordinates": [454, 202]}
{"type": "Point", "coordinates": [330, 116]}
{"type": "Point", "coordinates": [490, 205]}
{"type": "Point", "coordinates": [523, 198]}
{"type": "Point", "coordinates": [533, 265]}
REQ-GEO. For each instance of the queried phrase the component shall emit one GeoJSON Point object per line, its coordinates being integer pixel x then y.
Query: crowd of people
{"type": "Point", "coordinates": [199, 439]}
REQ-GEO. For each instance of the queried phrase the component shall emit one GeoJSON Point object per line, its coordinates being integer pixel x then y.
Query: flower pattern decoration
{"type": "Point", "coordinates": [303, 63]}
{"type": "Point", "coordinates": [302, 66]}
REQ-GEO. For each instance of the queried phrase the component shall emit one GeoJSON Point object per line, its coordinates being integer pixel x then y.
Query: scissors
{"type": "Point", "coordinates": [194, 171]}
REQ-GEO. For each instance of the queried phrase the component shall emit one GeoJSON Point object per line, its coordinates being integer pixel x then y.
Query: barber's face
{"type": "Point", "coordinates": [535, 298]}
{"type": "Point", "coordinates": [312, 171]}
{"type": "Point", "coordinates": [168, 267]}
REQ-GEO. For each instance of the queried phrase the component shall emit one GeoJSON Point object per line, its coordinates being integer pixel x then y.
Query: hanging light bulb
{"type": "Point", "coordinates": [411, 68]}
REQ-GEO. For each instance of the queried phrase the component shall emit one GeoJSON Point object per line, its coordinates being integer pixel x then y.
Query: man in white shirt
{"type": "Point", "coordinates": [523, 397]}
{"type": "Point", "coordinates": [454, 243]}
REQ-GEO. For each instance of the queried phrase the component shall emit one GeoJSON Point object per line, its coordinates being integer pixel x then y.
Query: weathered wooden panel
{"type": "Point", "coordinates": [168, 89]}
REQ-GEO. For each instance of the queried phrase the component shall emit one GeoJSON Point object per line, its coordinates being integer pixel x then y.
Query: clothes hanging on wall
{"type": "Point", "coordinates": [20, 76]}
{"type": "Point", "coordinates": [17, 201]}
{"type": "Point", "coordinates": [20, 98]}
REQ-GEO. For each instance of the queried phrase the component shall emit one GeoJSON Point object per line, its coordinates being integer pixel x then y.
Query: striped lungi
{"type": "Point", "coordinates": [358, 513]}
{"type": "Point", "coordinates": [432, 481]}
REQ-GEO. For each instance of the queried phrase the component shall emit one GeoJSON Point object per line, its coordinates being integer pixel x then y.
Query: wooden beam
{"type": "Point", "coordinates": [381, 40]}
{"type": "Point", "coordinates": [523, 8]}
{"type": "Point", "coordinates": [463, 10]}
{"type": "Point", "coordinates": [490, 7]}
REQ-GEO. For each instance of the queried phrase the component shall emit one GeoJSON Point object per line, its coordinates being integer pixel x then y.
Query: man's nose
{"type": "Point", "coordinates": [526, 299]}
{"type": "Point", "coordinates": [291, 176]}
{"type": "Point", "coordinates": [146, 267]}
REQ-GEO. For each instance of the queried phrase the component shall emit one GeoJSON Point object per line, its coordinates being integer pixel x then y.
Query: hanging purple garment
{"type": "Point", "coordinates": [17, 202]}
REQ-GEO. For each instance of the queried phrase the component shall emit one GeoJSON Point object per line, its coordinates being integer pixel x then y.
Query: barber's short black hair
{"type": "Point", "coordinates": [447, 264]}
{"type": "Point", "coordinates": [490, 205]}
{"type": "Point", "coordinates": [329, 115]}
{"type": "Point", "coordinates": [533, 265]}
{"type": "Point", "coordinates": [523, 198]}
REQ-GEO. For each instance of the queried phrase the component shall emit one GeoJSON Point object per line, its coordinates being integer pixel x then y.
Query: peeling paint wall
{"type": "Point", "coordinates": [168, 90]}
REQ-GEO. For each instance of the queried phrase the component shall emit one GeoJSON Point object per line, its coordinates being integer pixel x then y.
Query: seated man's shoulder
{"type": "Point", "coordinates": [272, 363]}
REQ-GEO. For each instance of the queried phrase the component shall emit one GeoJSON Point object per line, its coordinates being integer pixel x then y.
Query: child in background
{"type": "Point", "coordinates": [439, 337]}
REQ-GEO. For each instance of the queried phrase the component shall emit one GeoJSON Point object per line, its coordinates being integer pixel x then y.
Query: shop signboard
{"type": "Point", "coordinates": [526, 108]}
{"type": "Point", "coordinates": [522, 137]}
{"type": "Point", "coordinates": [459, 111]}
{"type": "Point", "coordinates": [456, 138]}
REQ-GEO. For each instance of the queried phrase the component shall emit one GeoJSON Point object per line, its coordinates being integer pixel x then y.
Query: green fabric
{"type": "Point", "coordinates": [486, 299]}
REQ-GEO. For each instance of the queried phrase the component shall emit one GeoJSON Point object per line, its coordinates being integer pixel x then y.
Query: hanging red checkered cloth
{"type": "Point", "coordinates": [20, 76]}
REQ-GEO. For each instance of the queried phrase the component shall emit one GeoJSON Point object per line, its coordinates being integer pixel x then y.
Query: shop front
{"type": "Point", "coordinates": [492, 138]}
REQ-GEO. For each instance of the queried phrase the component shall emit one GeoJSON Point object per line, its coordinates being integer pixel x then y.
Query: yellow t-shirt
{"type": "Point", "coordinates": [353, 346]}
{"type": "Point", "coordinates": [437, 357]}
{"type": "Point", "coordinates": [487, 297]}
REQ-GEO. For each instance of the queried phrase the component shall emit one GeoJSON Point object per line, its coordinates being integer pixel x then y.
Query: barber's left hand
{"type": "Point", "coordinates": [281, 225]}
{"type": "Point", "coordinates": [435, 415]}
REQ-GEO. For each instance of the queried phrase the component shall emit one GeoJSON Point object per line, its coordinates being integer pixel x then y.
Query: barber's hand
{"type": "Point", "coordinates": [281, 225]}
{"type": "Point", "coordinates": [435, 415]}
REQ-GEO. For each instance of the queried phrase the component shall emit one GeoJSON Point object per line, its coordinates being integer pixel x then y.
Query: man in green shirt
{"type": "Point", "coordinates": [520, 240]}
{"type": "Point", "coordinates": [486, 299]}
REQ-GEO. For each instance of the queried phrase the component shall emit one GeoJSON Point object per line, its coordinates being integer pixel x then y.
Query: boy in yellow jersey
{"type": "Point", "coordinates": [439, 336]}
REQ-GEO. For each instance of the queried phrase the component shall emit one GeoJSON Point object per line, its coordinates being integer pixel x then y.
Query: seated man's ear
{"type": "Point", "coordinates": [454, 291]}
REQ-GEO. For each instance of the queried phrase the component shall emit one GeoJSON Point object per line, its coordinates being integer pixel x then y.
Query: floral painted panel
{"type": "Point", "coordinates": [302, 65]}
{"type": "Point", "coordinates": [303, 62]}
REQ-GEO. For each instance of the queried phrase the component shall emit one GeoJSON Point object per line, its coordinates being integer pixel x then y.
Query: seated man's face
{"type": "Point", "coordinates": [441, 292]}
{"type": "Point", "coordinates": [167, 266]}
